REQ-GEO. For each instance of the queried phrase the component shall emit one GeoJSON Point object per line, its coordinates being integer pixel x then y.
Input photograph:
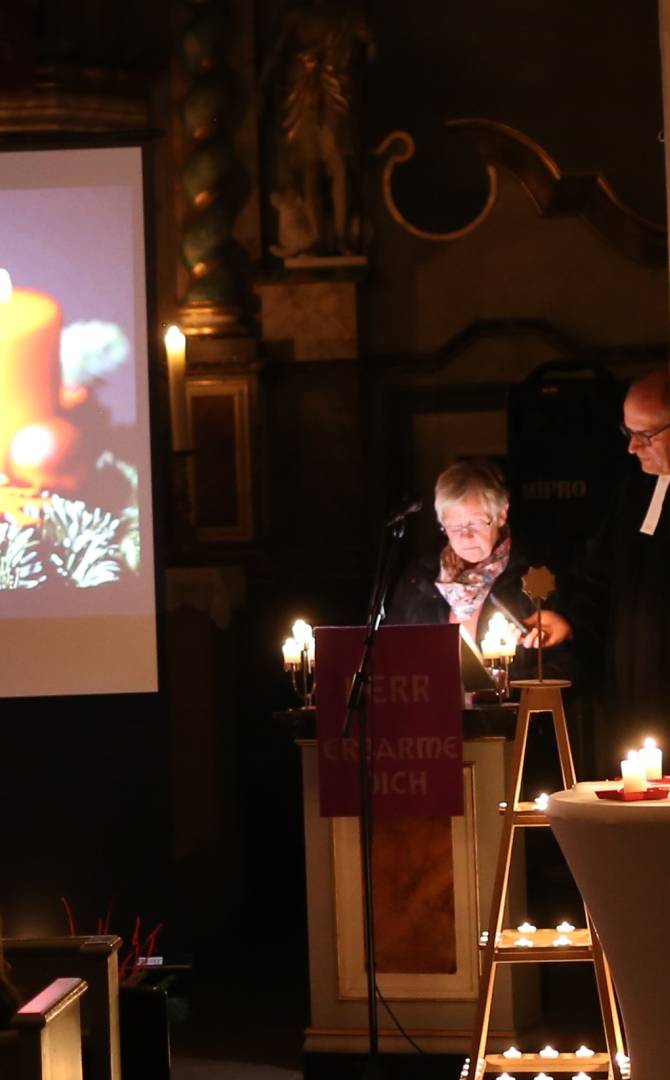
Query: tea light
{"type": "Point", "coordinates": [541, 801]}
{"type": "Point", "coordinates": [549, 1052]}
{"type": "Point", "coordinates": [526, 928]}
{"type": "Point", "coordinates": [523, 943]}
{"type": "Point", "coordinates": [633, 773]}
{"type": "Point", "coordinates": [584, 1052]}
{"type": "Point", "coordinates": [565, 927]}
{"type": "Point", "coordinates": [561, 940]}
{"type": "Point", "coordinates": [511, 1052]}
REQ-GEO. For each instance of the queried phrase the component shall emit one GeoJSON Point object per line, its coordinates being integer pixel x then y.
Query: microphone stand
{"type": "Point", "coordinates": [357, 707]}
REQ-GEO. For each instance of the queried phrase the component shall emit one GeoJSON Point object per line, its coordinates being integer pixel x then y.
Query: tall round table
{"type": "Point", "coordinates": [618, 855]}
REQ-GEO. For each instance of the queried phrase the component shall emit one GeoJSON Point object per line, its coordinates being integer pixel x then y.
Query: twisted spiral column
{"type": "Point", "coordinates": [210, 175]}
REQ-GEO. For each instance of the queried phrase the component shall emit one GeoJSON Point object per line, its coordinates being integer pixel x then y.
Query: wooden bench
{"type": "Point", "coordinates": [36, 961]}
{"type": "Point", "coordinates": [43, 1041]}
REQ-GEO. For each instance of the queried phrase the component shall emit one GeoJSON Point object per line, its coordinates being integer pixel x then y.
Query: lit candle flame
{"type": "Point", "coordinates": [291, 651]}
{"type": "Point", "coordinates": [565, 928]}
{"type": "Point", "coordinates": [5, 287]}
{"type": "Point", "coordinates": [542, 801]}
{"type": "Point", "coordinates": [511, 1052]}
{"type": "Point", "coordinates": [526, 928]}
{"type": "Point", "coordinates": [174, 339]}
{"type": "Point", "coordinates": [549, 1052]}
{"type": "Point", "coordinates": [584, 1051]}
{"type": "Point", "coordinates": [499, 639]}
{"type": "Point", "coordinates": [302, 632]}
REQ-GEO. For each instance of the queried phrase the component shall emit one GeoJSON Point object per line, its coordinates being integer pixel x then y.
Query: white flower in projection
{"type": "Point", "coordinates": [91, 350]}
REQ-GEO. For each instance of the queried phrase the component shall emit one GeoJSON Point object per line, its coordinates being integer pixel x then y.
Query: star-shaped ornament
{"type": "Point", "coordinates": [538, 582]}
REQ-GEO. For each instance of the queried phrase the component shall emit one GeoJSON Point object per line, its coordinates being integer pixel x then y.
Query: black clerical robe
{"type": "Point", "coordinates": [622, 607]}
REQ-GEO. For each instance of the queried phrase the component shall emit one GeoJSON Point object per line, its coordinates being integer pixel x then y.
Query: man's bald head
{"type": "Point", "coordinates": [646, 410]}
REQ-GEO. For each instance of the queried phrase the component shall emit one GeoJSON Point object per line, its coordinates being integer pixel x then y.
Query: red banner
{"type": "Point", "coordinates": [413, 718]}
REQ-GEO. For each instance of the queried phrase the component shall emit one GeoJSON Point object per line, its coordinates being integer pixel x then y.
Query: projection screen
{"type": "Point", "coordinates": [77, 585]}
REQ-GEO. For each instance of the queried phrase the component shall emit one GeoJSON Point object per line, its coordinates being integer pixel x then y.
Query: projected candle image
{"type": "Point", "coordinates": [77, 579]}
{"type": "Point", "coordinates": [56, 449]}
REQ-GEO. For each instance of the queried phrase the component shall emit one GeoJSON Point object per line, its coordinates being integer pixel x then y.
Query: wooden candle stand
{"type": "Point", "coordinates": [499, 945]}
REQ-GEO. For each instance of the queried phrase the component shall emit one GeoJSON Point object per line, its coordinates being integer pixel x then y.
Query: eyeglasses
{"type": "Point", "coordinates": [645, 437]}
{"type": "Point", "coordinates": [477, 525]}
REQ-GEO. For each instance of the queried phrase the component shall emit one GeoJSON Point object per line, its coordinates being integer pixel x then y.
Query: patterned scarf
{"type": "Point", "coordinates": [465, 585]}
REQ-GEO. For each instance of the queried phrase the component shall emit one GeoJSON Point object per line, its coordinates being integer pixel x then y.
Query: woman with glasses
{"type": "Point", "coordinates": [477, 562]}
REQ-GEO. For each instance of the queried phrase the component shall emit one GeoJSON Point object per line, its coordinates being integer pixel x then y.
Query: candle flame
{"type": "Point", "coordinates": [174, 339]}
{"type": "Point", "coordinates": [511, 1052]}
{"type": "Point", "coordinates": [5, 287]}
{"type": "Point", "coordinates": [302, 632]}
{"type": "Point", "coordinates": [650, 744]}
{"type": "Point", "coordinates": [549, 1052]}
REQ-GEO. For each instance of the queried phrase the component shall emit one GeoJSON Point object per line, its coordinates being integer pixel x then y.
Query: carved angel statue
{"type": "Point", "coordinates": [318, 53]}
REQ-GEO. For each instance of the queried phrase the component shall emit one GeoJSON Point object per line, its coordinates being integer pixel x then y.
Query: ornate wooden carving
{"type": "Point", "coordinates": [554, 192]}
{"type": "Point", "coordinates": [63, 99]}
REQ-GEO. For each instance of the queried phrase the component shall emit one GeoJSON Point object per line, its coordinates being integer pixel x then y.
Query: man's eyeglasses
{"type": "Point", "coordinates": [645, 437]}
{"type": "Point", "coordinates": [477, 525]}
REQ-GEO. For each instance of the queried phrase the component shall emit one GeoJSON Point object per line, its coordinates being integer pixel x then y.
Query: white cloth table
{"type": "Point", "coordinates": [618, 852]}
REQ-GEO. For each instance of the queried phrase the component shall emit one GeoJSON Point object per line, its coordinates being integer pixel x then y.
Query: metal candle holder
{"type": "Point", "coordinates": [299, 662]}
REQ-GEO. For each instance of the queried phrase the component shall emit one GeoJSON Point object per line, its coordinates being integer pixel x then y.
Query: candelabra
{"type": "Point", "coordinates": [298, 652]}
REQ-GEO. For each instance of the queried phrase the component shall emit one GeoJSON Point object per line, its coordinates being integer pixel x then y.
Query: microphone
{"type": "Point", "coordinates": [409, 505]}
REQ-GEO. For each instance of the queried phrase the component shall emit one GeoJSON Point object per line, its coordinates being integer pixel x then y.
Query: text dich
{"type": "Point", "coordinates": [391, 757]}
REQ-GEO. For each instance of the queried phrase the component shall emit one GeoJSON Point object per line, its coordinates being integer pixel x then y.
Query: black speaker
{"type": "Point", "coordinates": [565, 452]}
{"type": "Point", "coordinates": [145, 1032]}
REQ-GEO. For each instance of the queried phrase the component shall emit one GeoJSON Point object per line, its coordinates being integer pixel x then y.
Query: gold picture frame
{"type": "Point", "coordinates": [220, 467]}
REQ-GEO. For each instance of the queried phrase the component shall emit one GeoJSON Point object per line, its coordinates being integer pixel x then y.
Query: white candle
{"type": "Point", "coordinates": [565, 927]}
{"type": "Point", "coordinates": [526, 928]}
{"type": "Point", "coordinates": [499, 639]}
{"type": "Point", "coordinates": [490, 648]}
{"type": "Point", "coordinates": [584, 1052]}
{"type": "Point", "coordinates": [175, 347]}
{"type": "Point", "coordinates": [651, 758]}
{"type": "Point", "coordinates": [633, 773]}
{"type": "Point", "coordinates": [302, 632]}
{"type": "Point", "coordinates": [292, 653]}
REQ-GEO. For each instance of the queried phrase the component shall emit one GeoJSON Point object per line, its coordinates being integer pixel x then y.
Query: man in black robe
{"type": "Point", "coordinates": [622, 604]}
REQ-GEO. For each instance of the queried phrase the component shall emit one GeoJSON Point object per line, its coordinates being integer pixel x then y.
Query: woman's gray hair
{"type": "Point", "coordinates": [477, 476]}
